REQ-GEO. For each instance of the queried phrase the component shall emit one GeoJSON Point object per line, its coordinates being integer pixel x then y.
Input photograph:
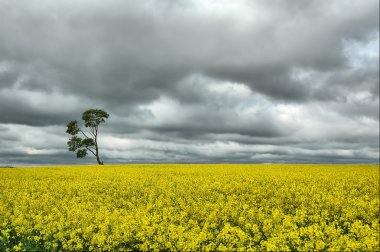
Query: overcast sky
{"type": "Point", "coordinates": [255, 81]}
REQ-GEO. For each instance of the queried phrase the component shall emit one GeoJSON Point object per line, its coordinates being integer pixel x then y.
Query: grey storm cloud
{"type": "Point", "coordinates": [192, 81]}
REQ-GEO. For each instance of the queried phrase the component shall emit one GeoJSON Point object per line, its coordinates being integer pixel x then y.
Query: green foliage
{"type": "Point", "coordinates": [92, 118]}
{"type": "Point", "coordinates": [81, 153]}
{"type": "Point", "coordinates": [72, 128]}
{"type": "Point", "coordinates": [88, 142]}
{"type": "Point", "coordinates": [75, 143]}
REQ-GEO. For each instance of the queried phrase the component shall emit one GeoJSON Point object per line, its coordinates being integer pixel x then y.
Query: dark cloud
{"type": "Point", "coordinates": [293, 75]}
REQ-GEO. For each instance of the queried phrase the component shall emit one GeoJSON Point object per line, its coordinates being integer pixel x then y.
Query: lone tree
{"type": "Point", "coordinates": [92, 118]}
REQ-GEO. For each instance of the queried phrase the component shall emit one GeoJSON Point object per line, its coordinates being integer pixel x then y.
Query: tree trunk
{"type": "Point", "coordinates": [97, 154]}
{"type": "Point", "coordinates": [98, 159]}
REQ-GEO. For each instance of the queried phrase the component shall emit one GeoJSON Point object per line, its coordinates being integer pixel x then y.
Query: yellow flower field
{"type": "Point", "coordinates": [190, 208]}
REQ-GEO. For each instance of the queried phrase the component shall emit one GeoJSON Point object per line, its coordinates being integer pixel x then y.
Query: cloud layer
{"type": "Point", "coordinates": [192, 81]}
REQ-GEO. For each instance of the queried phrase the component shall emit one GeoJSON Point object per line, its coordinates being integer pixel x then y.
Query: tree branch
{"type": "Point", "coordinates": [84, 134]}
{"type": "Point", "coordinates": [92, 132]}
{"type": "Point", "coordinates": [91, 151]}
{"type": "Point", "coordinates": [89, 147]}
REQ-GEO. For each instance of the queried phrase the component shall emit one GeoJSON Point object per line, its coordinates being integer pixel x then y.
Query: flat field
{"type": "Point", "coordinates": [190, 208]}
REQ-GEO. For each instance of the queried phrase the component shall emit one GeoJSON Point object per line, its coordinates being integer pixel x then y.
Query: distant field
{"type": "Point", "coordinates": [190, 207]}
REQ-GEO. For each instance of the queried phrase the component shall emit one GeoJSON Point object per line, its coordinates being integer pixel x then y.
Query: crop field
{"type": "Point", "coordinates": [190, 208]}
